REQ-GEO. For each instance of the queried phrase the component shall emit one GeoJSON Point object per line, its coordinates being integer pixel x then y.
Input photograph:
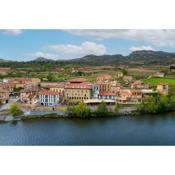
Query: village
{"type": "Point", "coordinates": [34, 94]}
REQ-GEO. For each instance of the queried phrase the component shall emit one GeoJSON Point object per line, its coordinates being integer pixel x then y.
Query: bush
{"type": "Point", "coordinates": [102, 110]}
{"type": "Point", "coordinates": [117, 107]}
{"type": "Point", "coordinates": [15, 110]}
{"type": "Point", "coordinates": [155, 104]}
{"type": "Point", "coordinates": [81, 110]}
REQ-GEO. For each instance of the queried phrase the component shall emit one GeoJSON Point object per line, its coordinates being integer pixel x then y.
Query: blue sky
{"type": "Point", "coordinates": [67, 44]}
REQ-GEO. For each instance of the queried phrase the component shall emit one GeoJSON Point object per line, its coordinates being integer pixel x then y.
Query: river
{"type": "Point", "coordinates": [141, 130]}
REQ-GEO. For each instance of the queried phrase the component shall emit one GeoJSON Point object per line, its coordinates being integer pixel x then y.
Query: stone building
{"type": "Point", "coordinates": [78, 91]}
{"type": "Point", "coordinates": [29, 96]}
{"type": "Point", "coordinates": [4, 96]}
{"type": "Point", "coordinates": [163, 89]}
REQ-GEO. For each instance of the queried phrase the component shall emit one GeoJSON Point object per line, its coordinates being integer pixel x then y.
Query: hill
{"type": "Point", "coordinates": [143, 57]}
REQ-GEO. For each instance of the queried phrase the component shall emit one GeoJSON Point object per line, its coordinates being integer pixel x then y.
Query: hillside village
{"type": "Point", "coordinates": [32, 92]}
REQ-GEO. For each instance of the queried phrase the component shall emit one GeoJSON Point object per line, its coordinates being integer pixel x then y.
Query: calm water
{"type": "Point", "coordinates": [144, 130]}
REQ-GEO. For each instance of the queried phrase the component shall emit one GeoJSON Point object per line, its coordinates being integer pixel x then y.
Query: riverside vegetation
{"type": "Point", "coordinates": [150, 105]}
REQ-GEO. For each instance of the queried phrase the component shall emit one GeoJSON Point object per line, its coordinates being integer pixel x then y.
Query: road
{"type": "Point", "coordinates": [7, 106]}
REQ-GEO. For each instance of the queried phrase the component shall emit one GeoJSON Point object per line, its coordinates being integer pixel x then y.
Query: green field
{"type": "Point", "coordinates": [155, 81]}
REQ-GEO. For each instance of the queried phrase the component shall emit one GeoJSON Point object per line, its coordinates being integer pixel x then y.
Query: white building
{"type": "Point", "coordinates": [107, 96]}
{"type": "Point", "coordinates": [49, 98]}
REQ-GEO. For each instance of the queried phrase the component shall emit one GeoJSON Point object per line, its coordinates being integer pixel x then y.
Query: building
{"type": "Point", "coordinates": [95, 90]}
{"type": "Point", "coordinates": [127, 79]}
{"type": "Point", "coordinates": [104, 86]}
{"type": "Point", "coordinates": [124, 96]}
{"type": "Point", "coordinates": [22, 82]}
{"type": "Point", "coordinates": [78, 80]}
{"type": "Point", "coordinates": [4, 96]}
{"type": "Point", "coordinates": [29, 96]}
{"type": "Point", "coordinates": [127, 96]}
{"type": "Point", "coordinates": [136, 96]}
{"type": "Point", "coordinates": [138, 84]}
{"type": "Point", "coordinates": [172, 68]}
{"type": "Point", "coordinates": [54, 86]}
{"type": "Point", "coordinates": [115, 87]}
{"type": "Point", "coordinates": [4, 70]}
{"type": "Point", "coordinates": [107, 96]}
{"type": "Point", "coordinates": [120, 74]}
{"type": "Point", "coordinates": [163, 89]}
{"type": "Point", "coordinates": [58, 87]}
{"type": "Point", "coordinates": [78, 91]}
{"type": "Point", "coordinates": [7, 86]}
{"type": "Point", "coordinates": [159, 74]}
{"type": "Point", "coordinates": [47, 85]}
{"type": "Point", "coordinates": [148, 92]}
{"type": "Point", "coordinates": [49, 98]}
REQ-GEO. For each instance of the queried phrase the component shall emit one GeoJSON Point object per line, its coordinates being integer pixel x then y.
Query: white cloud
{"type": "Point", "coordinates": [68, 51]}
{"type": "Point", "coordinates": [13, 32]}
{"type": "Point", "coordinates": [74, 51]}
{"type": "Point", "coordinates": [41, 54]}
{"type": "Point", "coordinates": [135, 48]}
{"type": "Point", "coordinates": [159, 38]}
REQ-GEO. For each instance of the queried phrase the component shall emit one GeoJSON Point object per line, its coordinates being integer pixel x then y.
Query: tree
{"type": "Point", "coordinates": [124, 71]}
{"type": "Point", "coordinates": [15, 110]}
{"type": "Point", "coordinates": [52, 77]}
{"type": "Point", "coordinates": [81, 110]}
{"type": "Point", "coordinates": [164, 103]}
{"type": "Point", "coordinates": [172, 102]}
{"type": "Point", "coordinates": [102, 109]}
{"type": "Point", "coordinates": [148, 105]}
{"type": "Point", "coordinates": [117, 107]}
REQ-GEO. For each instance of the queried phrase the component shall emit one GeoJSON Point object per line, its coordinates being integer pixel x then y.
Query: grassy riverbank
{"type": "Point", "coordinates": [150, 105]}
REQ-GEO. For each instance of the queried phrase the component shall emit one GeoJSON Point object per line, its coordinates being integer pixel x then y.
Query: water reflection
{"type": "Point", "coordinates": [126, 130]}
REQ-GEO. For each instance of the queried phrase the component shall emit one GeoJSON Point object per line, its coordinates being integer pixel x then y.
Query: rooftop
{"type": "Point", "coordinates": [46, 92]}
{"type": "Point", "coordinates": [84, 85]}
{"type": "Point", "coordinates": [78, 80]}
{"type": "Point", "coordinates": [107, 94]}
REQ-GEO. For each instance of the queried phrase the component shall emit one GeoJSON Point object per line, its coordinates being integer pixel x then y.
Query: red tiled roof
{"type": "Point", "coordinates": [125, 92]}
{"type": "Point", "coordinates": [46, 92]}
{"type": "Point", "coordinates": [107, 94]}
{"type": "Point", "coordinates": [78, 80]}
{"type": "Point", "coordinates": [136, 91]}
{"type": "Point", "coordinates": [53, 84]}
{"type": "Point", "coordinates": [138, 82]}
{"type": "Point", "coordinates": [79, 86]}
{"type": "Point", "coordinates": [30, 89]}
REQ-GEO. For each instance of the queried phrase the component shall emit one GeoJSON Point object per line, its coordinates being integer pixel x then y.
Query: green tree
{"type": "Point", "coordinates": [117, 107]}
{"type": "Point", "coordinates": [52, 77]}
{"type": "Point", "coordinates": [164, 103]}
{"type": "Point", "coordinates": [148, 105]}
{"type": "Point", "coordinates": [124, 71]}
{"type": "Point", "coordinates": [81, 110]}
{"type": "Point", "coordinates": [172, 102]}
{"type": "Point", "coordinates": [15, 110]}
{"type": "Point", "coordinates": [102, 109]}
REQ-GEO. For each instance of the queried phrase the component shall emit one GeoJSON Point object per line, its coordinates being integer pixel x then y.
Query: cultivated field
{"type": "Point", "coordinates": [155, 81]}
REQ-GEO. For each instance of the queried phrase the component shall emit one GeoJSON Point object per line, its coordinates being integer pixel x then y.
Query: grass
{"type": "Point", "coordinates": [155, 81]}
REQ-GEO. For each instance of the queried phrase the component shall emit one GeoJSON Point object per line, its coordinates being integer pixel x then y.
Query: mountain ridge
{"type": "Point", "coordinates": [140, 57]}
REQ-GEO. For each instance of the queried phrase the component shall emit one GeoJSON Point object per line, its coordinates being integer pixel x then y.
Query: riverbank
{"type": "Point", "coordinates": [5, 116]}
{"type": "Point", "coordinates": [104, 112]}
{"type": "Point", "coordinates": [10, 118]}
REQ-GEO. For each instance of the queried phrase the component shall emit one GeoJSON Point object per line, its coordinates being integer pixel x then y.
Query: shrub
{"type": "Point", "coordinates": [102, 110]}
{"type": "Point", "coordinates": [81, 110]}
{"type": "Point", "coordinates": [15, 110]}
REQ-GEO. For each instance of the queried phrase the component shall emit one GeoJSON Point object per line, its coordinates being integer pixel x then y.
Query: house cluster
{"type": "Point", "coordinates": [4, 70]}
{"type": "Point", "coordinates": [35, 92]}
